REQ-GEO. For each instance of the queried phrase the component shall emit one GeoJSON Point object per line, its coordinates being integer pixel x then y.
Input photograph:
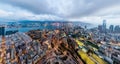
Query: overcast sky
{"type": "Point", "coordinates": [91, 11]}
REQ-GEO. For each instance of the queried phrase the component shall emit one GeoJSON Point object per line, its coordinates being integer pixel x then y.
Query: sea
{"type": "Point", "coordinates": [25, 29]}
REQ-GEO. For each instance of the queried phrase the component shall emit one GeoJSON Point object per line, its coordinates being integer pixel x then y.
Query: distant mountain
{"type": "Point", "coordinates": [44, 18]}
{"type": "Point", "coordinates": [50, 21]}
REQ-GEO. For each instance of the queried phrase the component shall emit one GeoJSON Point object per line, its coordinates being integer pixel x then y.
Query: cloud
{"type": "Point", "coordinates": [89, 10]}
{"type": "Point", "coordinates": [14, 13]}
{"type": "Point", "coordinates": [4, 13]}
{"type": "Point", "coordinates": [65, 8]}
{"type": "Point", "coordinates": [36, 6]}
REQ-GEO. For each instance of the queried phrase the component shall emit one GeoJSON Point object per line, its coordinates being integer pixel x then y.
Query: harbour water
{"type": "Point", "coordinates": [26, 29]}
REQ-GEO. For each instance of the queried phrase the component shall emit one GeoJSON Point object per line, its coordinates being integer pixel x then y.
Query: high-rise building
{"type": "Point", "coordinates": [111, 28]}
{"type": "Point", "coordinates": [117, 29]}
{"type": "Point", "coordinates": [104, 26]}
{"type": "Point", "coordinates": [100, 28]}
{"type": "Point", "coordinates": [2, 31]}
{"type": "Point", "coordinates": [3, 47]}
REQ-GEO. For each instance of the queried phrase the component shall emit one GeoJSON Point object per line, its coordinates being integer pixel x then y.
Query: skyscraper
{"type": "Point", "coordinates": [117, 29]}
{"type": "Point", "coordinates": [3, 48]}
{"type": "Point", "coordinates": [104, 26]}
{"type": "Point", "coordinates": [2, 31]}
{"type": "Point", "coordinates": [111, 28]}
{"type": "Point", "coordinates": [100, 28]}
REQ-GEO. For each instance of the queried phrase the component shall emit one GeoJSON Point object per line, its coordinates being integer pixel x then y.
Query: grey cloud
{"type": "Point", "coordinates": [66, 8]}
{"type": "Point", "coordinates": [92, 6]}
{"type": "Point", "coordinates": [35, 6]}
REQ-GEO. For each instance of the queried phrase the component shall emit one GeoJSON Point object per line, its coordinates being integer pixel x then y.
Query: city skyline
{"type": "Point", "coordinates": [73, 10]}
{"type": "Point", "coordinates": [59, 32]}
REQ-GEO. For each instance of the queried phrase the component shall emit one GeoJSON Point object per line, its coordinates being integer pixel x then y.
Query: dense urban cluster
{"type": "Point", "coordinates": [65, 43]}
{"type": "Point", "coordinates": [108, 41]}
